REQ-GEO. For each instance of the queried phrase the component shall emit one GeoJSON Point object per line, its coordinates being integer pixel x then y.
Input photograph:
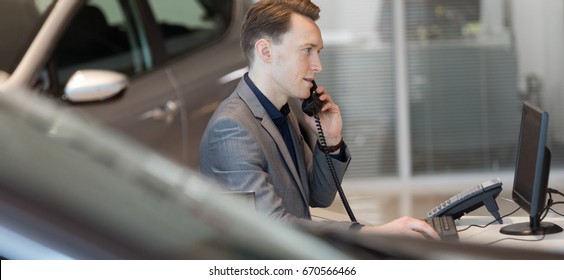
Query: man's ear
{"type": "Point", "coordinates": [263, 50]}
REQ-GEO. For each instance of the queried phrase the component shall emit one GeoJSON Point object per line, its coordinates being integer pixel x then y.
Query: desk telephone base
{"type": "Point", "coordinates": [471, 199]}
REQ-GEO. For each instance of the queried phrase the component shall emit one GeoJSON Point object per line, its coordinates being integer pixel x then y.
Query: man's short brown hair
{"type": "Point", "coordinates": [271, 19]}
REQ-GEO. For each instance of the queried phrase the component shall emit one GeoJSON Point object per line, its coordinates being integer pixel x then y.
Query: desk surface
{"type": "Point", "coordinates": [491, 236]}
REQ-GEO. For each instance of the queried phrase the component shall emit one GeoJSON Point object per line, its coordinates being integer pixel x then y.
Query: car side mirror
{"type": "Point", "coordinates": [94, 85]}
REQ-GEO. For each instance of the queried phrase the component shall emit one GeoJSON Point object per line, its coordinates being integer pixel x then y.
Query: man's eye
{"type": "Point", "coordinates": [307, 50]}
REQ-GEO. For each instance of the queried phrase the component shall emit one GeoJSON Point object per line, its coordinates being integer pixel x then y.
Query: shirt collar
{"type": "Point", "coordinates": [271, 110]}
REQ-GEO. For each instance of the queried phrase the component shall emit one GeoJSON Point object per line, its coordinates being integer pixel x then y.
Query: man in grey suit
{"type": "Point", "coordinates": [253, 141]}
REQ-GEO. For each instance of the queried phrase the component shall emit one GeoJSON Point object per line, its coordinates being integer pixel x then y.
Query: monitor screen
{"type": "Point", "coordinates": [531, 173]}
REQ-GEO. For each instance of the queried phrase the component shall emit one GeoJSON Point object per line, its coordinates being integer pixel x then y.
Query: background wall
{"type": "Point", "coordinates": [516, 53]}
{"type": "Point", "coordinates": [539, 29]}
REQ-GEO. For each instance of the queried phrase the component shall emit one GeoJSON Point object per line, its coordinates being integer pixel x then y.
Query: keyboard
{"type": "Point", "coordinates": [445, 227]}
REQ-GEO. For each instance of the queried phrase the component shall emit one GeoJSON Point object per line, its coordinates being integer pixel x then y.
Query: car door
{"type": "Point", "coordinates": [154, 70]}
{"type": "Point", "coordinates": [111, 35]}
{"type": "Point", "coordinates": [201, 47]}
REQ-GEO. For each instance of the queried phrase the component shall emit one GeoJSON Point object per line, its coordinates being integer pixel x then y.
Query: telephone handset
{"type": "Point", "coordinates": [471, 199]}
{"type": "Point", "coordinates": [312, 106]}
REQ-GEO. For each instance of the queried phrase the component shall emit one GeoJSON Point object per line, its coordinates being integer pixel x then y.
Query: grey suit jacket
{"type": "Point", "coordinates": [243, 150]}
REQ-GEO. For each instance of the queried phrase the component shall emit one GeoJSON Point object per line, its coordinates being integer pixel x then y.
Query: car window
{"type": "Point", "coordinates": [100, 36]}
{"type": "Point", "coordinates": [19, 22]}
{"type": "Point", "coordinates": [188, 24]}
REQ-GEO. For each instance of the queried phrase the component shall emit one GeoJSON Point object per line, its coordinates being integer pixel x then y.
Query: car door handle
{"type": "Point", "coordinates": [164, 113]}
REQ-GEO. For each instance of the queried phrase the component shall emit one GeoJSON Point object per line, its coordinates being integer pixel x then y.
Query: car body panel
{"type": "Point", "coordinates": [95, 194]}
{"type": "Point", "coordinates": [167, 103]}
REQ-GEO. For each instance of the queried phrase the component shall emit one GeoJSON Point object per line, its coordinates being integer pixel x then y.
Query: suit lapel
{"type": "Point", "coordinates": [259, 112]}
{"type": "Point", "coordinates": [298, 145]}
{"type": "Point", "coordinates": [273, 131]}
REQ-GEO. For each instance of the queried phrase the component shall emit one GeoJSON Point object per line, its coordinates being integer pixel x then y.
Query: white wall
{"type": "Point", "coordinates": [352, 15]}
{"type": "Point", "coordinates": [539, 34]}
{"type": "Point", "coordinates": [342, 22]}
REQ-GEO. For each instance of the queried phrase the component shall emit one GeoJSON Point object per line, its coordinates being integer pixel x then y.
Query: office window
{"type": "Point", "coordinates": [462, 88]}
{"type": "Point", "coordinates": [359, 74]}
{"type": "Point", "coordinates": [469, 65]}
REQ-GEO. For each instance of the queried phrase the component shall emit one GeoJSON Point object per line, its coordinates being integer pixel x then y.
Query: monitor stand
{"type": "Point", "coordinates": [526, 229]}
{"type": "Point", "coordinates": [492, 207]}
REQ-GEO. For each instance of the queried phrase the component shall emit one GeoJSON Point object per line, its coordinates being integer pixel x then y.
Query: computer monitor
{"type": "Point", "coordinates": [531, 173]}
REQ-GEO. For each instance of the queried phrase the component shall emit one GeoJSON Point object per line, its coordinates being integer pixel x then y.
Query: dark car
{"type": "Point", "coordinates": [72, 189]}
{"type": "Point", "coordinates": [155, 70]}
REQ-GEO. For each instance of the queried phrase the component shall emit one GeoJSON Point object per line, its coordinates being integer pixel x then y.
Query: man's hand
{"type": "Point", "coordinates": [330, 117]}
{"type": "Point", "coordinates": [405, 226]}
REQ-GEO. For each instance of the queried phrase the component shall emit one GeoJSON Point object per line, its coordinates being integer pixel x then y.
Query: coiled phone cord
{"type": "Point", "coordinates": [323, 144]}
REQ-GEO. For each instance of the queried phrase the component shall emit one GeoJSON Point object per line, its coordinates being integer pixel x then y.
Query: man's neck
{"type": "Point", "coordinates": [267, 86]}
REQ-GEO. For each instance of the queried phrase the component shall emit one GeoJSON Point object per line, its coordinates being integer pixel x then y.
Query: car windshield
{"type": "Point", "coordinates": [20, 20]}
